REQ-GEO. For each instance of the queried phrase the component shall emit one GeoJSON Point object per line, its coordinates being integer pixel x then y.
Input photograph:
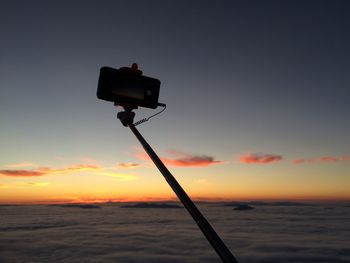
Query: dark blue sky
{"type": "Point", "coordinates": [238, 76]}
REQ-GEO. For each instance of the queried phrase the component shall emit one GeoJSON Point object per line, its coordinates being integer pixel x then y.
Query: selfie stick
{"type": "Point", "coordinates": [127, 118]}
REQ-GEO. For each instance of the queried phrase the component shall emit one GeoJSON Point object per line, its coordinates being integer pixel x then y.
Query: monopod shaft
{"type": "Point", "coordinates": [213, 238]}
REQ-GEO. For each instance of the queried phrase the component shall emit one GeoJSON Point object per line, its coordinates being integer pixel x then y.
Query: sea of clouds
{"type": "Point", "coordinates": [271, 232]}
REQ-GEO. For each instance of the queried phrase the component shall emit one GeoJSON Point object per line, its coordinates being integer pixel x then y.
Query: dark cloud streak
{"type": "Point", "coordinates": [322, 159]}
{"type": "Point", "coordinates": [21, 173]}
{"type": "Point", "coordinates": [128, 165]}
{"type": "Point", "coordinates": [46, 170]}
{"type": "Point", "coordinates": [260, 158]}
{"type": "Point", "coordinates": [183, 159]}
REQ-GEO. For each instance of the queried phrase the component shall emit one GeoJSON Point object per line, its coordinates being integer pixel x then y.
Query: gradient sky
{"type": "Point", "coordinates": [257, 93]}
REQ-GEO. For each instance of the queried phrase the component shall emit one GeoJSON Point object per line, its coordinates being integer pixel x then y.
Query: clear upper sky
{"type": "Point", "coordinates": [257, 93]}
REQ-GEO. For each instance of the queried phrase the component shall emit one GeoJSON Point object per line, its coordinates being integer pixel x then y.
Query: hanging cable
{"type": "Point", "coordinates": [146, 119]}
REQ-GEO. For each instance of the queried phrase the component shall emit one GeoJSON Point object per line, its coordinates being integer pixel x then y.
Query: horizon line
{"type": "Point", "coordinates": [168, 200]}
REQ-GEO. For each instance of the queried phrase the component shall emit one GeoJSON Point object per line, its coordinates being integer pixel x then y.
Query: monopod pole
{"type": "Point", "coordinates": [213, 238]}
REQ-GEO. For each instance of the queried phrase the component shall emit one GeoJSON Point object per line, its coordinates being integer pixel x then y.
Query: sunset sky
{"type": "Point", "coordinates": [258, 100]}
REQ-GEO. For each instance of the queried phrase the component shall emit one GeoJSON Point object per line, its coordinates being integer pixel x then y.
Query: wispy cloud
{"type": "Point", "coordinates": [38, 184]}
{"type": "Point", "coordinates": [74, 168]}
{"type": "Point", "coordinates": [120, 176]}
{"type": "Point", "coordinates": [260, 158]}
{"type": "Point", "coordinates": [97, 169]}
{"type": "Point", "coordinates": [128, 165]}
{"type": "Point", "coordinates": [322, 159]}
{"type": "Point", "coordinates": [182, 159]}
{"type": "Point", "coordinates": [24, 184]}
{"type": "Point", "coordinates": [21, 173]}
{"type": "Point", "coordinates": [46, 170]}
{"type": "Point", "coordinates": [194, 161]}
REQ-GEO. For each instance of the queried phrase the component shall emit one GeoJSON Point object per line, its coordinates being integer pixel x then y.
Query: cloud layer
{"type": "Point", "coordinates": [264, 158]}
{"type": "Point", "coordinates": [268, 233]}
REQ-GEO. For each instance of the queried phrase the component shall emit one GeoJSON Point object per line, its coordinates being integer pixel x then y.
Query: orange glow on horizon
{"type": "Point", "coordinates": [163, 198]}
{"type": "Point", "coordinates": [90, 183]}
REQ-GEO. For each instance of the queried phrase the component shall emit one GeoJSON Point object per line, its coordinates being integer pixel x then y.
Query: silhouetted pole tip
{"type": "Point", "coordinates": [134, 69]}
{"type": "Point", "coordinates": [134, 66]}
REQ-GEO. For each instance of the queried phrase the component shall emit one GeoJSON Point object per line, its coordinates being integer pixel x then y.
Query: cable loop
{"type": "Point", "coordinates": [146, 119]}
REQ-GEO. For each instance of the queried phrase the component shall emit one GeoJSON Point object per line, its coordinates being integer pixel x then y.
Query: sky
{"type": "Point", "coordinates": [257, 94]}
